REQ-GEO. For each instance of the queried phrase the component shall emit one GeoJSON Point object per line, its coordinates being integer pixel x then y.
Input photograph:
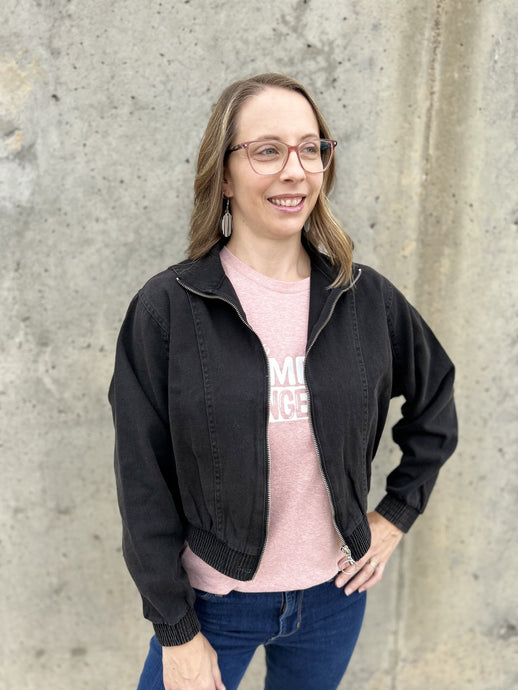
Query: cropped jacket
{"type": "Point", "coordinates": [190, 401]}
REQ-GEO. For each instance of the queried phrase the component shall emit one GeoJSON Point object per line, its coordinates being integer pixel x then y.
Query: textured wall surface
{"type": "Point", "coordinates": [102, 106]}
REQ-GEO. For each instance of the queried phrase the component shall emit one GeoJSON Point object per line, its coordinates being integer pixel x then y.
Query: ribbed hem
{"type": "Point", "coordinates": [397, 512]}
{"type": "Point", "coordinates": [180, 633]}
{"type": "Point", "coordinates": [359, 540]}
{"type": "Point", "coordinates": [235, 564]}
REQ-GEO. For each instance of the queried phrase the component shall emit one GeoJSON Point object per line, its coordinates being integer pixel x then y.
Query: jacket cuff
{"type": "Point", "coordinates": [180, 633]}
{"type": "Point", "coordinates": [397, 512]}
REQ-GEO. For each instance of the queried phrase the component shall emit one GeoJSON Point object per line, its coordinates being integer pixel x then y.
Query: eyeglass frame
{"type": "Point", "coordinates": [246, 144]}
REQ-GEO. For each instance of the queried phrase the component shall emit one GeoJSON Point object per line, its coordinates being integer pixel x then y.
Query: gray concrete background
{"type": "Point", "coordinates": [102, 106]}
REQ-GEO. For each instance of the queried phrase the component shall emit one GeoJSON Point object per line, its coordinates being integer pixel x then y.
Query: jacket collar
{"type": "Point", "coordinates": [206, 276]}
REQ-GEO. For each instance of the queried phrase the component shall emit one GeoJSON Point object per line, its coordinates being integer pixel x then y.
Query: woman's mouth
{"type": "Point", "coordinates": [287, 203]}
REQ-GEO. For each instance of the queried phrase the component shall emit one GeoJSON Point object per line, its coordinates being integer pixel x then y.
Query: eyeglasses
{"type": "Point", "coordinates": [270, 157]}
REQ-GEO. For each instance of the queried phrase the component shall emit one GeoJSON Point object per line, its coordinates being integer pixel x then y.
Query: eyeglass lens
{"type": "Point", "coordinates": [269, 157]}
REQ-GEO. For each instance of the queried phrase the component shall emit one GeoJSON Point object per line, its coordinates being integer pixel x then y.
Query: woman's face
{"type": "Point", "coordinates": [259, 203]}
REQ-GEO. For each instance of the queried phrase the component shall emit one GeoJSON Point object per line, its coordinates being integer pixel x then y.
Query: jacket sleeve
{"type": "Point", "coordinates": [153, 533]}
{"type": "Point", "coordinates": [427, 431]}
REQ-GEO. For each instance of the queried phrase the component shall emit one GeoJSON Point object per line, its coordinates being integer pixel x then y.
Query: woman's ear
{"type": "Point", "coordinates": [227, 184]}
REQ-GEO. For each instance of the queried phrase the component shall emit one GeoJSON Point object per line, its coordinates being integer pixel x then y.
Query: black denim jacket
{"type": "Point", "coordinates": [190, 398]}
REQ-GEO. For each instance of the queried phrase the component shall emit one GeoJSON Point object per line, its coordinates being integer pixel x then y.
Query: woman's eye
{"type": "Point", "coordinates": [266, 151]}
{"type": "Point", "coordinates": [310, 149]}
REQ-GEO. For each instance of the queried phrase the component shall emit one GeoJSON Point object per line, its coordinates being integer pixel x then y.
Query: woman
{"type": "Point", "coordinates": [251, 387]}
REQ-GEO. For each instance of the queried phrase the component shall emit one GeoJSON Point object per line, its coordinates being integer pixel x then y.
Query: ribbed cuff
{"type": "Point", "coordinates": [359, 540]}
{"type": "Point", "coordinates": [397, 512]}
{"type": "Point", "coordinates": [180, 633]}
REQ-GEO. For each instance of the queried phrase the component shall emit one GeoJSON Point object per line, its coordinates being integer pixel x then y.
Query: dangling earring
{"type": "Point", "coordinates": [307, 225]}
{"type": "Point", "coordinates": [226, 221]}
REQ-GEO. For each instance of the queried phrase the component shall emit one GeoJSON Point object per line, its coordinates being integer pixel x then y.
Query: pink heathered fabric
{"type": "Point", "coordinates": [302, 548]}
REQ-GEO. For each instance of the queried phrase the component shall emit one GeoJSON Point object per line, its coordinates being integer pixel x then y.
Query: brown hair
{"type": "Point", "coordinates": [324, 232]}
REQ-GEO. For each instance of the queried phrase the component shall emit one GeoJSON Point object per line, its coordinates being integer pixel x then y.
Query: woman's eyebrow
{"type": "Point", "coordinates": [274, 137]}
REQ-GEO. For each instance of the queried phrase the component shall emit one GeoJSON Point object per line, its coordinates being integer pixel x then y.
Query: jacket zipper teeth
{"type": "Point", "coordinates": [343, 546]}
{"type": "Point", "coordinates": [268, 492]}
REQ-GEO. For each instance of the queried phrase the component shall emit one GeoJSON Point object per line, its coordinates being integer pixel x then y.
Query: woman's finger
{"type": "Point", "coordinates": [369, 575]}
{"type": "Point", "coordinates": [376, 577]}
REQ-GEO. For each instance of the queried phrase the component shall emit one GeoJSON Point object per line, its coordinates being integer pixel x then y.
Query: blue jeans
{"type": "Point", "coordinates": [309, 636]}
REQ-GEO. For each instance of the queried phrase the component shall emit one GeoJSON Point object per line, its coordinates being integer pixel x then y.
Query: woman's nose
{"type": "Point", "coordinates": [293, 169]}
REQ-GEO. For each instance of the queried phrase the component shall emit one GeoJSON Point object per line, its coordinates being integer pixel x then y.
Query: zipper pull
{"type": "Point", "coordinates": [350, 560]}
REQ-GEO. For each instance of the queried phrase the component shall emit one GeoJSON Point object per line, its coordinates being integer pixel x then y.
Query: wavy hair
{"type": "Point", "coordinates": [323, 230]}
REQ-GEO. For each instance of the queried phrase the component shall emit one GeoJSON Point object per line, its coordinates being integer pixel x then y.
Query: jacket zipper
{"type": "Point", "coordinates": [268, 458]}
{"type": "Point", "coordinates": [344, 548]}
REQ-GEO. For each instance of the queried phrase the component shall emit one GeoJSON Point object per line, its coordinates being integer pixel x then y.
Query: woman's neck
{"type": "Point", "coordinates": [282, 260]}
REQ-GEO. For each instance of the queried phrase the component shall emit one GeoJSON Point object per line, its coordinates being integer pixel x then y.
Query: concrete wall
{"type": "Point", "coordinates": [102, 105]}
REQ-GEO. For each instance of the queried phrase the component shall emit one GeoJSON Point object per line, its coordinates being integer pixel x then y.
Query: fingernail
{"type": "Point", "coordinates": [348, 592]}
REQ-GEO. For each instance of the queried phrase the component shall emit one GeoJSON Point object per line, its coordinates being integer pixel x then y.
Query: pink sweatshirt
{"type": "Point", "coordinates": [302, 548]}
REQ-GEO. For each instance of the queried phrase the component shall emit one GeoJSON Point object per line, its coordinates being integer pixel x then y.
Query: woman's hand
{"type": "Point", "coordinates": [384, 538]}
{"type": "Point", "coordinates": [191, 666]}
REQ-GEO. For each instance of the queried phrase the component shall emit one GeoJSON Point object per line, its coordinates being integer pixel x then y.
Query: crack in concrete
{"type": "Point", "coordinates": [426, 155]}
{"type": "Point", "coordinates": [400, 598]}
{"type": "Point", "coordinates": [449, 115]}
{"type": "Point", "coordinates": [433, 78]}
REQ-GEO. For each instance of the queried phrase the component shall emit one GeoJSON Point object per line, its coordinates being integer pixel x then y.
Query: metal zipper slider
{"type": "Point", "coordinates": [350, 560]}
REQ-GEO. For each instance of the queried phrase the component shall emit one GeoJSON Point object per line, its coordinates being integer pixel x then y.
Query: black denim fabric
{"type": "Point", "coordinates": [190, 404]}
